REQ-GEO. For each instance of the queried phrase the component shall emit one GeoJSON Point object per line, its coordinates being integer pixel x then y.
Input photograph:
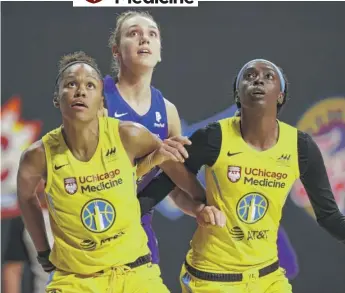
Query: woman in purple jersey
{"type": "Point", "coordinates": [136, 49]}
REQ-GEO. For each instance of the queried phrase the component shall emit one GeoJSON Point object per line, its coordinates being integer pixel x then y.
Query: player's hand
{"type": "Point", "coordinates": [172, 149]}
{"type": "Point", "coordinates": [210, 215]}
{"type": "Point", "coordinates": [43, 260]}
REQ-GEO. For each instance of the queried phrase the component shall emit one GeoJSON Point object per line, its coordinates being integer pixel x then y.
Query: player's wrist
{"type": "Point", "coordinates": [198, 209]}
{"type": "Point", "coordinates": [44, 254]}
{"type": "Point", "coordinates": [43, 260]}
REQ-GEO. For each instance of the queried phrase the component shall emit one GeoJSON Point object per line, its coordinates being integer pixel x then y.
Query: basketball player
{"type": "Point", "coordinates": [251, 163]}
{"type": "Point", "coordinates": [88, 165]}
{"type": "Point", "coordinates": [136, 49]}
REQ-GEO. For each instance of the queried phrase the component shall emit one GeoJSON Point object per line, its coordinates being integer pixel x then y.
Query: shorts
{"type": "Point", "coordinates": [275, 282]}
{"type": "Point", "coordinates": [13, 248]}
{"type": "Point", "coordinates": [143, 279]}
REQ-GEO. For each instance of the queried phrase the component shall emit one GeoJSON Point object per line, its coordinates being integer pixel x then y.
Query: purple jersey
{"type": "Point", "coordinates": [154, 120]}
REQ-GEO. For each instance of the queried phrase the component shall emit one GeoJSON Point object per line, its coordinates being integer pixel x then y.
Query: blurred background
{"type": "Point", "coordinates": [203, 49]}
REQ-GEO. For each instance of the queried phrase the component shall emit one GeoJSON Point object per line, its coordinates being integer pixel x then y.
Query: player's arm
{"type": "Point", "coordinates": [315, 180]}
{"type": "Point", "coordinates": [32, 169]}
{"type": "Point", "coordinates": [204, 150]}
{"type": "Point", "coordinates": [182, 199]}
{"type": "Point", "coordinates": [142, 144]}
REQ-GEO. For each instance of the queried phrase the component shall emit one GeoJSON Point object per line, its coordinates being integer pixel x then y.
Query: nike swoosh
{"type": "Point", "coordinates": [59, 167]}
{"type": "Point", "coordinates": [119, 115]}
{"type": "Point", "coordinates": [233, 154]}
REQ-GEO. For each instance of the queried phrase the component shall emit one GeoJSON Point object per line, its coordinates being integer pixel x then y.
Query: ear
{"type": "Point", "coordinates": [280, 99]}
{"type": "Point", "coordinates": [115, 51]}
{"type": "Point", "coordinates": [56, 101]}
{"type": "Point", "coordinates": [237, 98]}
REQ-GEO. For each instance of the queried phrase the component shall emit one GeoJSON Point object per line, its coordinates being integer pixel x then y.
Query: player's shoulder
{"type": "Point", "coordinates": [287, 127]}
{"type": "Point", "coordinates": [35, 152]}
{"type": "Point", "coordinates": [129, 128]}
{"type": "Point", "coordinates": [52, 138]}
{"type": "Point", "coordinates": [169, 106]}
{"type": "Point", "coordinates": [210, 132]}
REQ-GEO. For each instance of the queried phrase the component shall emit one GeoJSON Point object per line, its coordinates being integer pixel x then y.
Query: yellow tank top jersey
{"type": "Point", "coordinates": [93, 206]}
{"type": "Point", "coordinates": [250, 187]}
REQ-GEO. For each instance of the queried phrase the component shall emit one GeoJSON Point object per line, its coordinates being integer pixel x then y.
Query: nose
{"type": "Point", "coordinates": [259, 80]}
{"type": "Point", "coordinates": [80, 92]}
{"type": "Point", "coordinates": [144, 39]}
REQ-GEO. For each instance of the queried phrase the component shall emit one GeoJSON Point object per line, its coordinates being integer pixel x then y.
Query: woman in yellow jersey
{"type": "Point", "coordinates": [90, 184]}
{"type": "Point", "coordinates": [251, 162]}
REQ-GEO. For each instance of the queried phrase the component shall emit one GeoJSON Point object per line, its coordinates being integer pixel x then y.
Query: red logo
{"type": "Point", "coordinates": [71, 186]}
{"type": "Point", "coordinates": [93, 1]}
{"type": "Point", "coordinates": [16, 135]}
{"type": "Point", "coordinates": [234, 173]}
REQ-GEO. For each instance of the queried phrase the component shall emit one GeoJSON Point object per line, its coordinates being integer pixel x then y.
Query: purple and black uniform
{"type": "Point", "coordinates": [154, 120]}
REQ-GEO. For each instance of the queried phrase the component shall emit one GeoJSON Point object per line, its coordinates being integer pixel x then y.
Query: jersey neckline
{"type": "Point", "coordinates": [128, 105]}
{"type": "Point", "coordinates": [98, 149]}
{"type": "Point", "coordinates": [256, 151]}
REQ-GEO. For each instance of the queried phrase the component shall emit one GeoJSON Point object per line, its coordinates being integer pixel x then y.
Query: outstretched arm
{"type": "Point", "coordinates": [315, 180]}
{"type": "Point", "coordinates": [182, 199]}
{"type": "Point", "coordinates": [204, 150]}
{"type": "Point", "coordinates": [142, 144]}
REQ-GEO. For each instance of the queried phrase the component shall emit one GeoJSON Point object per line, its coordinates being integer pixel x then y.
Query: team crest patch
{"type": "Point", "coordinates": [234, 173]}
{"type": "Point", "coordinates": [70, 184]}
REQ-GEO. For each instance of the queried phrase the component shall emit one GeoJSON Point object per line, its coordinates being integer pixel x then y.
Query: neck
{"type": "Point", "coordinates": [134, 86]}
{"type": "Point", "coordinates": [81, 138]}
{"type": "Point", "coordinates": [259, 130]}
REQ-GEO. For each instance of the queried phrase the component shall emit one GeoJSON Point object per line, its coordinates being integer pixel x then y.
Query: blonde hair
{"type": "Point", "coordinates": [115, 37]}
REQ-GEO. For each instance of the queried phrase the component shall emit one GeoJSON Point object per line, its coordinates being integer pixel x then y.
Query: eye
{"type": "Point", "coordinates": [250, 75]}
{"type": "Point", "coordinates": [153, 34]}
{"type": "Point", "coordinates": [133, 33]}
{"type": "Point", "coordinates": [269, 76]}
{"type": "Point", "coordinates": [90, 85]}
{"type": "Point", "coordinates": [71, 84]}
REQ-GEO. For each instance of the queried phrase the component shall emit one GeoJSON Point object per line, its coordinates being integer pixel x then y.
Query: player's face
{"type": "Point", "coordinates": [80, 92]}
{"type": "Point", "coordinates": [140, 44]}
{"type": "Point", "coordinates": [259, 86]}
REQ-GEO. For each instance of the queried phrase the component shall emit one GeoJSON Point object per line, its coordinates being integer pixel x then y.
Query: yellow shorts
{"type": "Point", "coordinates": [275, 282]}
{"type": "Point", "coordinates": [142, 279]}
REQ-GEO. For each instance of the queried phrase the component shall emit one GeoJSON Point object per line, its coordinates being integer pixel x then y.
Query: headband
{"type": "Point", "coordinates": [281, 77]}
{"type": "Point", "coordinates": [72, 63]}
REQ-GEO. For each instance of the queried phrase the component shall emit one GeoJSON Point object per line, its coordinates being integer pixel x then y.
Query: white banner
{"type": "Point", "coordinates": [135, 3]}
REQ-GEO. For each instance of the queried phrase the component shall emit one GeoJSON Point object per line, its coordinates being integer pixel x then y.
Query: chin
{"type": "Point", "coordinates": [146, 64]}
{"type": "Point", "coordinates": [79, 118]}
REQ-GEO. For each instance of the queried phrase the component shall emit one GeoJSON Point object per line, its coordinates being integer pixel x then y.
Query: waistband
{"type": "Point", "coordinates": [142, 260]}
{"type": "Point", "coordinates": [234, 277]}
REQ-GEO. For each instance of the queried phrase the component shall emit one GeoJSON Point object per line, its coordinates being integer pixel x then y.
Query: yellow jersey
{"type": "Point", "coordinates": [93, 206]}
{"type": "Point", "coordinates": [250, 187]}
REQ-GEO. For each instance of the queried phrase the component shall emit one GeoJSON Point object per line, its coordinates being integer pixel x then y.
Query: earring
{"type": "Point", "coordinates": [281, 100]}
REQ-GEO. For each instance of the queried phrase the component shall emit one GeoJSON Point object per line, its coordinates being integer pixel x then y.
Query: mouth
{"type": "Point", "coordinates": [79, 104]}
{"type": "Point", "coordinates": [144, 51]}
{"type": "Point", "coordinates": [258, 91]}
